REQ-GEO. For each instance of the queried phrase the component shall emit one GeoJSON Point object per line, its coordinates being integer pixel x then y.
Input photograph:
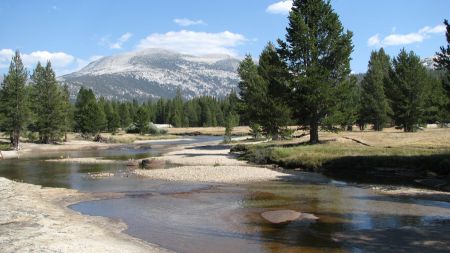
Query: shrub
{"type": "Point", "coordinates": [132, 129]}
{"type": "Point", "coordinates": [255, 130]}
{"type": "Point", "coordinates": [152, 129]}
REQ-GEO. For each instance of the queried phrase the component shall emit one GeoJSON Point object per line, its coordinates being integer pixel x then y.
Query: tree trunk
{"type": "Point", "coordinates": [314, 132]}
{"type": "Point", "coordinates": [15, 141]}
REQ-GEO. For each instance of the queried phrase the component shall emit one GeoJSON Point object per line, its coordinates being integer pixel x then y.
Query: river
{"type": "Point", "coordinates": [187, 217]}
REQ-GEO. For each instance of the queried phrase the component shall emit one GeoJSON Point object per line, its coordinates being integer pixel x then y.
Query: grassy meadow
{"type": "Point", "coordinates": [390, 154]}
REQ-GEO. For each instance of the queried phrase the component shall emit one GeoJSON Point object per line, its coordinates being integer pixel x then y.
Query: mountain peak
{"type": "Point", "coordinates": [154, 73]}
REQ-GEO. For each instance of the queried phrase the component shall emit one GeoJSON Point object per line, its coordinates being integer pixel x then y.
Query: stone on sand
{"type": "Point", "coordinates": [285, 216]}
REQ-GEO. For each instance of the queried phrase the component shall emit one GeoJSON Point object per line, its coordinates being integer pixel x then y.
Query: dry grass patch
{"type": "Point", "coordinates": [218, 131]}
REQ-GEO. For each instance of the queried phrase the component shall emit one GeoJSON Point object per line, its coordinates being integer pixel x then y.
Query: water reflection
{"type": "Point", "coordinates": [228, 218]}
{"type": "Point", "coordinates": [32, 167]}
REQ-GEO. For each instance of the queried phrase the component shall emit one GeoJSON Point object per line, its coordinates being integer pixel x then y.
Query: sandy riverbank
{"type": "Point", "coordinates": [35, 219]}
{"type": "Point", "coordinates": [209, 163]}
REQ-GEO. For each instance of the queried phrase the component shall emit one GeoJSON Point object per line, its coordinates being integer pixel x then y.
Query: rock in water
{"type": "Point", "coordinates": [285, 216]}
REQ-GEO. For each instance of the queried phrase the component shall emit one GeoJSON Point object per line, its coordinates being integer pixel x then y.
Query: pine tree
{"type": "Point", "coordinates": [317, 52]}
{"type": "Point", "coordinates": [436, 101]}
{"type": "Point", "coordinates": [89, 117]}
{"type": "Point", "coordinates": [374, 103]}
{"type": "Point", "coordinates": [48, 103]}
{"type": "Point", "coordinates": [14, 104]}
{"type": "Point", "coordinates": [408, 79]}
{"type": "Point", "coordinates": [112, 117]}
{"type": "Point", "coordinates": [68, 110]}
{"type": "Point", "coordinates": [443, 63]}
{"type": "Point", "coordinates": [176, 114]}
{"type": "Point", "coordinates": [142, 120]}
{"type": "Point", "coordinates": [124, 115]}
{"type": "Point", "coordinates": [347, 107]}
{"type": "Point", "coordinates": [276, 113]}
{"type": "Point", "coordinates": [252, 90]}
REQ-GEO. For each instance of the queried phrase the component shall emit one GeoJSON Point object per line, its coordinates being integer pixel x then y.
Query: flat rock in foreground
{"type": "Point", "coordinates": [35, 219]}
{"type": "Point", "coordinates": [213, 174]}
{"type": "Point", "coordinates": [285, 216]}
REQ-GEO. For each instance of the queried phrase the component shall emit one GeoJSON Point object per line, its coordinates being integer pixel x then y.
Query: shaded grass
{"type": "Point", "coordinates": [213, 131]}
{"type": "Point", "coordinates": [5, 146]}
{"type": "Point", "coordinates": [353, 160]}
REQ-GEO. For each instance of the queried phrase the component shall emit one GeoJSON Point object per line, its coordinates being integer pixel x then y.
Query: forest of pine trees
{"type": "Point", "coordinates": [38, 107]}
{"type": "Point", "coordinates": [304, 81]}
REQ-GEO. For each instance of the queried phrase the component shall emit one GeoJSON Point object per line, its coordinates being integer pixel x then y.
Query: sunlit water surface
{"type": "Point", "coordinates": [227, 218]}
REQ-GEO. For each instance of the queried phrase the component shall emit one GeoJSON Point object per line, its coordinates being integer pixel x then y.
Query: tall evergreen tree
{"type": "Point", "coordinates": [68, 110]}
{"type": "Point", "coordinates": [252, 90]}
{"type": "Point", "coordinates": [142, 119]}
{"type": "Point", "coordinates": [436, 101]}
{"type": "Point", "coordinates": [317, 52]}
{"type": "Point", "coordinates": [275, 110]}
{"type": "Point", "coordinates": [48, 103]}
{"type": "Point", "coordinates": [176, 114]}
{"type": "Point", "coordinates": [347, 107]}
{"type": "Point", "coordinates": [89, 117]}
{"type": "Point", "coordinates": [124, 113]}
{"type": "Point", "coordinates": [14, 104]}
{"type": "Point", "coordinates": [443, 63]}
{"type": "Point", "coordinates": [112, 117]}
{"type": "Point", "coordinates": [407, 93]}
{"type": "Point", "coordinates": [374, 103]}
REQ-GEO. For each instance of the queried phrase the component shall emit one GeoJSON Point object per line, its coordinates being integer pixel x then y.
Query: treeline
{"type": "Point", "coordinates": [401, 92]}
{"type": "Point", "coordinates": [305, 80]}
{"type": "Point", "coordinates": [41, 107]}
{"type": "Point", "coordinates": [92, 115]}
{"type": "Point", "coordinates": [41, 111]}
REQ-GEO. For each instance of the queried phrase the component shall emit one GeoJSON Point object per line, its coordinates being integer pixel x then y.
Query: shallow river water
{"type": "Point", "coordinates": [227, 218]}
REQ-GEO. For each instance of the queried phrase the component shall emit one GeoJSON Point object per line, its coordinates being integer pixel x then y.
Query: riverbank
{"type": "Point", "coordinates": [421, 158]}
{"type": "Point", "coordinates": [210, 163]}
{"type": "Point", "coordinates": [76, 142]}
{"type": "Point", "coordinates": [33, 218]}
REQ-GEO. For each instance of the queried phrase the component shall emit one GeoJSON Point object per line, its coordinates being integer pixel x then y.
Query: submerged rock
{"type": "Point", "coordinates": [285, 216]}
{"type": "Point", "coordinates": [132, 163]}
{"type": "Point", "coordinates": [153, 164]}
{"type": "Point", "coordinates": [432, 182]}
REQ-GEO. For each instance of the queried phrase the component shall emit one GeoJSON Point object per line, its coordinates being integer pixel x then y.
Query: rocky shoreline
{"type": "Point", "coordinates": [33, 218]}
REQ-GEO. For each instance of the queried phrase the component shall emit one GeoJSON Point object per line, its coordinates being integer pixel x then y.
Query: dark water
{"type": "Point", "coordinates": [32, 168]}
{"type": "Point", "coordinates": [227, 218]}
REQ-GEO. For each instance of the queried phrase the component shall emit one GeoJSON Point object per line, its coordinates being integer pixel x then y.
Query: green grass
{"type": "Point", "coordinates": [339, 157]}
{"type": "Point", "coordinates": [4, 146]}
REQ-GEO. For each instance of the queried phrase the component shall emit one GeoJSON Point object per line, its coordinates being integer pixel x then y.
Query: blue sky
{"type": "Point", "coordinates": [73, 33]}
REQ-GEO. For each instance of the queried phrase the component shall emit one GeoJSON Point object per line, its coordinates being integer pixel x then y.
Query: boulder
{"type": "Point", "coordinates": [132, 163]}
{"type": "Point", "coordinates": [286, 216]}
{"type": "Point", "coordinates": [152, 164]}
{"type": "Point", "coordinates": [432, 182]}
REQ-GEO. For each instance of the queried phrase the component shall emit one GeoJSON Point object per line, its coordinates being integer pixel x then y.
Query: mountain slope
{"type": "Point", "coordinates": [154, 73]}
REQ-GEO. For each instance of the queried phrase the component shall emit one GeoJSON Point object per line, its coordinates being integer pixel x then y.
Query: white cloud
{"type": "Point", "coordinates": [117, 44]}
{"type": "Point", "coordinates": [436, 29]}
{"type": "Point", "coordinates": [405, 39]}
{"type": "Point", "coordinates": [95, 57]}
{"type": "Point", "coordinates": [188, 22]}
{"type": "Point", "coordinates": [402, 39]}
{"type": "Point", "coordinates": [122, 39]}
{"type": "Point", "coordinates": [62, 63]}
{"type": "Point", "coordinates": [58, 59]}
{"type": "Point", "coordinates": [374, 40]}
{"type": "Point", "coordinates": [5, 57]}
{"type": "Point", "coordinates": [282, 7]}
{"type": "Point", "coordinates": [196, 43]}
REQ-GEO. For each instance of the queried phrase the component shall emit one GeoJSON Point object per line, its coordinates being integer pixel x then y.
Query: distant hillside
{"type": "Point", "coordinates": [154, 73]}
